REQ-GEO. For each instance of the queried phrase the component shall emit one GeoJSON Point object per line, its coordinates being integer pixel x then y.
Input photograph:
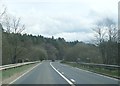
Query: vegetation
{"type": "Point", "coordinates": [106, 33]}
{"type": "Point", "coordinates": [15, 71]}
{"type": "Point", "coordinates": [39, 48]}
{"type": "Point", "coordinates": [100, 70]}
{"type": "Point", "coordinates": [18, 47]}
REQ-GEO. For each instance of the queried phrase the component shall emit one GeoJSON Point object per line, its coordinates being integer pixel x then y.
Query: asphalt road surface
{"type": "Point", "coordinates": [49, 72]}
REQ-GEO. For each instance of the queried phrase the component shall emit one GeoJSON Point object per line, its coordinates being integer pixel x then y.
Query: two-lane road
{"type": "Point", "coordinates": [83, 77]}
{"type": "Point", "coordinates": [44, 73]}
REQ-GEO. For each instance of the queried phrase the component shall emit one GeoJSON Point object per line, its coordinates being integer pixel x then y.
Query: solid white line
{"type": "Point", "coordinates": [62, 75]}
{"type": "Point", "coordinates": [24, 74]}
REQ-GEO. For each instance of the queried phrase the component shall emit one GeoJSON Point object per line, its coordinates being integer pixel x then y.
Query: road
{"type": "Point", "coordinates": [44, 73]}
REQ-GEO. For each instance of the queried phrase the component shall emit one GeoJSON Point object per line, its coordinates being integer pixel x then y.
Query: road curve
{"type": "Point", "coordinates": [42, 74]}
{"type": "Point", "coordinates": [83, 77]}
{"type": "Point", "coordinates": [46, 74]}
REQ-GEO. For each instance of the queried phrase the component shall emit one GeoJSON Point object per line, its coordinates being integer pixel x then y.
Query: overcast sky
{"type": "Point", "coordinates": [70, 19]}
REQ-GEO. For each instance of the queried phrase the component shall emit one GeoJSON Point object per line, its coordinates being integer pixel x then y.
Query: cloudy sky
{"type": "Point", "coordinates": [70, 19]}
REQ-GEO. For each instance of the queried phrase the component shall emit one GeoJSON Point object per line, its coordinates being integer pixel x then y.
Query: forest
{"type": "Point", "coordinates": [21, 47]}
{"type": "Point", "coordinates": [32, 48]}
{"type": "Point", "coordinates": [16, 47]}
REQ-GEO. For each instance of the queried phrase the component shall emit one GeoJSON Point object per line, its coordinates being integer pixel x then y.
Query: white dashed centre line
{"type": "Point", "coordinates": [72, 80]}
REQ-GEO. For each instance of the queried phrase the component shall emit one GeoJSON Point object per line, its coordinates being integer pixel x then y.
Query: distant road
{"type": "Point", "coordinates": [44, 73]}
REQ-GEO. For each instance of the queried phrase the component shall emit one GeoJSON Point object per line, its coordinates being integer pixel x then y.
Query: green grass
{"type": "Point", "coordinates": [10, 72]}
{"type": "Point", "coordinates": [111, 73]}
{"type": "Point", "coordinates": [0, 74]}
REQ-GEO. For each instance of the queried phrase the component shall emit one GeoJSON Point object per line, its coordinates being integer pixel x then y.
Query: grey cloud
{"type": "Point", "coordinates": [67, 18]}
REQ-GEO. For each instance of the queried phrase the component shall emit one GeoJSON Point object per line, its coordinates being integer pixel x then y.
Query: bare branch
{"type": "Point", "coordinates": [3, 13]}
{"type": "Point", "coordinates": [21, 29]}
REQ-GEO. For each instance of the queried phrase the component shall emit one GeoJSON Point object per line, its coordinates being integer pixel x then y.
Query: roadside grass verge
{"type": "Point", "coordinates": [15, 71]}
{"type": "Point", "coordinates": [103, 71]}
{"type": "Point", "coordinates": [0, 74]}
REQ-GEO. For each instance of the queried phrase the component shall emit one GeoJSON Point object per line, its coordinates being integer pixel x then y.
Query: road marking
{"type": "Point", "coordinates": [62, 75]}
{"type": "Point", "coordinates": [92, 72]}
{"type": "Point", "coordinates": [97, 74]}
{"type": "Point", "coordinates": [24, 74]}
{"type": "Point", "coordinates": [62, 72]}
{"type": "Point", "coordinates": [72, 80]}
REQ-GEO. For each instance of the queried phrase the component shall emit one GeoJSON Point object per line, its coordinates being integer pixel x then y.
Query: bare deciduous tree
{"type": "Point", "coordinates": [17, 27]}
{"type": "Point", "coordinates": [13, 25]}
{"type": "Point", "coordinates": [106, 35]}
{"type": "Point", "coordinates": [100, 32]}
{"type": "Point", "coordinates": [2, 11]}
{"type": "Point", "coordinates": [106, 29]}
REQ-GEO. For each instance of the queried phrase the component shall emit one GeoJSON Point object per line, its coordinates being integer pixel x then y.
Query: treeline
{"type": "Point", "coordinates": [31, 48]}
{"type": "Point", "coordinates": [18, 47]}
{"type": "Point", "coordinates": [107, 35]}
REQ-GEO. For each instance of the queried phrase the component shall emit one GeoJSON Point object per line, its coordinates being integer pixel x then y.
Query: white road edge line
{"type": "Point", "coordinates": [62, 75]}
{"type": "Point", "coordinates": [94, 73]}
{"type": "Point", "coordinates": [24, 74]}
{"type": "Point", "coordinates": [98, 74]}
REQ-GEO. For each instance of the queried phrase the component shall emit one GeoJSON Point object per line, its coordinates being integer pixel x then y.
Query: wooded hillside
{"type": "Point", "coordinates": [18, 47]}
